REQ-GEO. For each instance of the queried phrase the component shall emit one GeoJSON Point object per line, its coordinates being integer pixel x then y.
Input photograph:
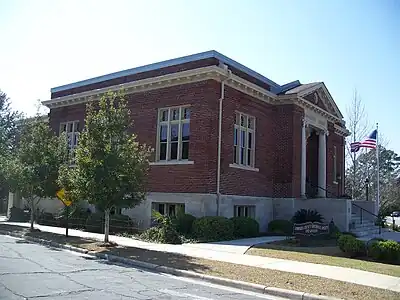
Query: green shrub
{"type": "Point", "coordinates": [307, 215]}
{"type": "Point", "coordinates": [351, 246]}
{"type": "Point", "coordinates": [95, 223]}
{"type": "Point", "coordinates": [213, 228]}
{"type": "Point", "coordinates": [245, 227]}
{"type": "Point", "coordinates": [168, 235]}
{"type": "Point", "coordinates": [284, 227]}
{"type": "Point", "coordinates": [19, 215]}
{"type": "Point", "coordinates": [151, 234]}
{"type": "Point", "coordinates": [385, 251]}
{"type": "Point", "coordinates": [183, 223]}
{"type": "Point", "coordinates": [164, 232]}
{"type": "Point", "coordinates": [47, 219]}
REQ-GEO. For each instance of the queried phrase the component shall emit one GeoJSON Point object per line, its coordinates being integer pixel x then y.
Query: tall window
{"type": "Point", "coordinates": [173, 133]}
{"type": "Point", "coordinates": [243, 140]}
{"type": "Point", "coordinates": [72, 131]}
{"type": "Point", "coordinates": [334, 165]}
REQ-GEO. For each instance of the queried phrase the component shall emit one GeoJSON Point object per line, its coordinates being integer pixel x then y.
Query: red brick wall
{"type": "Point", "coordinates": [203, 98]}
{"type": "Point", "coordinates": [67, 113]}
{"type": "Point", "coordinates": [245, 182]}
{"type": "Point", "coordinates": [277, 138]}
{"type": "Point", "coordinates": [338, 141]}
{"type": "Point", "coordinates": [286, 131]}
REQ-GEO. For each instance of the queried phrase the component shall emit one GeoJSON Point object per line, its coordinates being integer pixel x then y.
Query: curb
{"type": "Point", "coordinates": [258, 288]}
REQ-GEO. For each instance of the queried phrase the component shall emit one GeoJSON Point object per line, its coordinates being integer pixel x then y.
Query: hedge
{"type": "Point", "coordinates": [245, 227]}
{"type": "Point", "coordinates": [213, 228]}
{"type": "Point", "coordinates": [351, 246]}
{"type": "Point", "coordinates": [284, 227]}
{"type": "Point", "coordinates": [384, 251]}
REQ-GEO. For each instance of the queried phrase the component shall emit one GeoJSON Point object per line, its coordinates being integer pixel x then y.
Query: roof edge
{"type": "Point", "coordinates": [168, 63]}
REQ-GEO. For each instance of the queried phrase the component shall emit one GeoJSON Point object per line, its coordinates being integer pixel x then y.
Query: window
{"type": "Point", "coordinates": [245, 211]}
{"type": "Point", "coordinates": [167, 209]}
{"type": "Point", "coordinates": [243, 140]}
{"type": "Point", "coordinates": [72, 131]}
{"type": "Point", "coordinates": [334, 165]}
{"type": "Point", "coordinates": [173, 134]}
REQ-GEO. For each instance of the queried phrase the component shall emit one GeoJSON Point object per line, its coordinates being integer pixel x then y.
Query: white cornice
{"type": "Point", "coordinates": [341, 131]}
{"type": "Point", "coordinates": [307, 104]}
{"type": "Point", "coordinates": [168, 80]}
{"type": "Point", "coordinates": [190, 76]}
{"type": "Point", "coordinates": [329, 98]}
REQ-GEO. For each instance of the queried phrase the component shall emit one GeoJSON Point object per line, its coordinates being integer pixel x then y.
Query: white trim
{"type": "Point", "coordinates": [329, 97]}
{"type": "Point", "coordinates": [239, 128]}
{"type": "Point", "coordinates": [307, 104]}
{"type": "Point", "coordinates": [191, 76]}
{"type": "Point", "coordinates": [244, 167]}
{"type": "Point", "coordinates": [341, 131]}
{"type": "Point", "coordinates": [168, 123]}
{"type": "Point", "coordinates": [172, 162]}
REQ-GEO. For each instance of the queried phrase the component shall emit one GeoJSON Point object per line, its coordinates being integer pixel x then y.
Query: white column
{"type": "Point", "coordinates": [322, 164]}
{"type": "Point", "coordinates": [303, 159]}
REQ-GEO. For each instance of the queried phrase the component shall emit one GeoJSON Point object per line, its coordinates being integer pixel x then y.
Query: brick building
{"type": "Point", "coordinates": [228, 141]}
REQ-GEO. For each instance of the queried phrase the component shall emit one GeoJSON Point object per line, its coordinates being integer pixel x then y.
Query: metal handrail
{"type": "Point", "coordinates": [367, 211]}
{"type": "Point", "coordinates": [319, 187]}
{"type": "Point", "coordinates": [362, 208]}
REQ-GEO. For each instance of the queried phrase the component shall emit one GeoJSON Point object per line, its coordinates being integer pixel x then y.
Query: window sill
{"type": "Point", "coordinates": [172, 162]}
{"type": "Point", "coordinates": [244, 167]}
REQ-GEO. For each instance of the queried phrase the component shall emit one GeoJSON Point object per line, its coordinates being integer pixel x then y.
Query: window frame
{"type": "Point", "coordinates": [169, 122]}
{"type": "Point", "coordinates": [167, 206]}
{"type": "Point", "coordinates": [74, 133]}
{"type": "Point", "coordinates": [334, 158]}
{"type": "Point", "coordinates": [237, 147]}
{"type": "Point", "coordinates": [249, 211]}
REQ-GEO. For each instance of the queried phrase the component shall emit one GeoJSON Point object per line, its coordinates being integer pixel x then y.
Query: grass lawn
{"type": "Point", "coordinates": [271, 278]}
{"type": "Point", "coordinates": [327, 255]}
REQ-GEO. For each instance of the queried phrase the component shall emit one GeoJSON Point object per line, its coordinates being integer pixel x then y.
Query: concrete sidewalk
{"type": "Point", "coordinates": [217, 251]}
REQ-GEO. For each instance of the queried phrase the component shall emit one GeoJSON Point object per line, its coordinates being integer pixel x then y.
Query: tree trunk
{"type": "Point", "coordinates": [106, 224]}
{"type": "Point", "coordinates": [32, 213]}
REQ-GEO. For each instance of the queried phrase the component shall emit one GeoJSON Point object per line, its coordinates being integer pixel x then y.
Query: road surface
{"type": "Point", "coordinates": [32, 271]}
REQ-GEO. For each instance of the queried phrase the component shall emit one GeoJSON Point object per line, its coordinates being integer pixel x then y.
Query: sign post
{"type": "Point", "coordinates": [62, 197]}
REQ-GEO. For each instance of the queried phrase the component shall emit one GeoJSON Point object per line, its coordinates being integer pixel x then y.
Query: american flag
{"type": "Point", "coordinates": [368, 142]}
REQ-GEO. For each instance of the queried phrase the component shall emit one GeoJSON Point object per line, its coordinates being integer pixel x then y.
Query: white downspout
{"type": "Point", "coordinates": [220, 136]}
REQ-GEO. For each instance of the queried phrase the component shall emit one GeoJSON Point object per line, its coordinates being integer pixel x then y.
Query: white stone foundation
{"type": "Point", "coordinates": [200, 205]}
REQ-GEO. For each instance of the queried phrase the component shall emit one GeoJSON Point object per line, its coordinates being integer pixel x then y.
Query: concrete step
{"type": "Point", "coordinates": [357, 220]}
{"type": "Point", "coordinates": [364, 225]}
{"type": "Point", "coordinates": [366, 233]}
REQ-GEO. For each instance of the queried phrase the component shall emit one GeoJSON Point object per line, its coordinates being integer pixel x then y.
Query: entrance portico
{"type": "Point", "coordinates": [314, 124]}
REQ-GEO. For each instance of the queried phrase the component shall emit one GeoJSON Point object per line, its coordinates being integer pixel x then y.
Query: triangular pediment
{"type": "Point", "coordinates": [319, 95]}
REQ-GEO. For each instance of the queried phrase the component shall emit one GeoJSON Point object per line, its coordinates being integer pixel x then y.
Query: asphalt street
{"type": "Point", "coordinates": [32, 271]}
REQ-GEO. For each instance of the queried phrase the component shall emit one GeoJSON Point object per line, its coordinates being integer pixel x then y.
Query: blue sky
{"type": "Point", "coordinates": [347, 44]}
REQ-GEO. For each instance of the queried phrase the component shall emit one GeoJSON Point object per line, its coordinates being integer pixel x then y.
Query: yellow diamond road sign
{"type": "Point", "coordinates": [61, 195]}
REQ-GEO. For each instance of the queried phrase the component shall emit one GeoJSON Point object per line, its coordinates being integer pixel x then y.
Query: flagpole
{"type": "Point", "coordinates": [377, 173]}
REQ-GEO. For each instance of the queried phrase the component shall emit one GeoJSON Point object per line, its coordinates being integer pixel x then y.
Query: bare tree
{"type": "Point", "coordinates": [357, 121]}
